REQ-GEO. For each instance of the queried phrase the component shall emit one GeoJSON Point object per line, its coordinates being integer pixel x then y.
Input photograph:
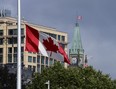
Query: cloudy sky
{"type": "Point", "coordinates": [98, 25]}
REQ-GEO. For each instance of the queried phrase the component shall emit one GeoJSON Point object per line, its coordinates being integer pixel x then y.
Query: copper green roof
{"type": "Point", "coordinates": [76, 42]}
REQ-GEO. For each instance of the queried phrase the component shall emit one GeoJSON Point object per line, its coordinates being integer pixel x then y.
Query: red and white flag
{"type": "Point", "coordinates": [79, 17]}
{"type": "Point", "coordinates": [40, 42]}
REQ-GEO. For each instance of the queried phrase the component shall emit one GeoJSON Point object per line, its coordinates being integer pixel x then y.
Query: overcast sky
{"type": "Point", "coordinates": [98, 25]}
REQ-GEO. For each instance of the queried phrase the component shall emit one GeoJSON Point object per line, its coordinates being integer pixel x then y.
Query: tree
{"type": "Point", "coordinates": [7, 80]}
{"type": "Point", "coordinates": [71, 78]}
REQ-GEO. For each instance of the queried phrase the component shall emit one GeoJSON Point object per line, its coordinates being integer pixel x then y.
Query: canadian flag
{"type": "Point", "coordinates": [40, 42]}
{"type": "Point", "coordinates": [79, 17]}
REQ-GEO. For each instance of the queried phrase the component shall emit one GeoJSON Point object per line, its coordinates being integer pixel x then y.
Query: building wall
{"type": "Point", "coordinates": [8, 46]}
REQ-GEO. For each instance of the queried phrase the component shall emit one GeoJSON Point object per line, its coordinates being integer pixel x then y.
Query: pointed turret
{"type": "Point", "coordinates": [76, 52]}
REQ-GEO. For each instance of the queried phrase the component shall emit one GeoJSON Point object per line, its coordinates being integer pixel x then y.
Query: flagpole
{"type": "Point", "coordinates": [19, 47]}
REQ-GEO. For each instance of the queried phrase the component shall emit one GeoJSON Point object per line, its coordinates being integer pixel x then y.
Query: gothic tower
{"type": "Point", "coordinates": [76, 52]}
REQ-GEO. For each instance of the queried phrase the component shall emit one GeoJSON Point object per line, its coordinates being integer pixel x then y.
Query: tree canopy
{"type": "Point", "coordinates": [7, 80]}
{"type": "Point", "coordinates": [71, 78]}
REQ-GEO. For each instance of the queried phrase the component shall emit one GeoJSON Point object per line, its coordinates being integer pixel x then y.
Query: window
{"type": "Point", "coordinates": [1, 50]}
{"type": "Point", "coordinates": [72, 50]}
{"type": "Point", "coordinates": [53, 35]}
{"type": "Point", "coordinates": [38, 68]}
{"type": "Point", "coordinates": [1, 55]}
{"type": "Point", "coordinates": [22, 57]}
{"type": "Point", "coordinates": [15, 40]}
{"type": "Point", "coordinates": [15, 57]}
{"type": "Point", "coordinates": [59, 37]}
{"type": "Point", "coordinates": [42, 59]}
{"type": "Point", "coordinates": [22, 31]}
{"type": "Point", "coordinates": [51, 61]}
{"type": "Point", "coordinates": [63, 38]}
{"type": "Point", "coordinates": [29, 67]}
{"type": "Point", "coordinates": [1, 32]}
{"type": "Point", "coordinates": [22, 39]}
{"type": "Point", "coordinates": [42, 67]}
{"type": "Point", "coordinates": [1, 41]}
{"type": "Point", "coordinates": [15, 49]}
{"type": "Point", "coordinates": [34, 59]}
{"type": "Point", "coordinates": [15, 31]}
{"type": "Point", "coordinates": [47, 60]}
{"type": "Point", "coordinates": [22, 49]}
{"type": "Point", "coordinates": [9, 50]}
{"type": "Point", "coordinates": [10, 41]}
{"type": "Point", "coordinates": [34, 68]}
{"type": "Point", "coordinates": [12, 38]}
{"type": "Point", "coordinates": [9, 57]}
{"type": "Point", "coordinates": [29, 58]}
{"type": "Point", "coordinates": [55, 61]}
{"type": "Point", "coordinates": [10, 32]}
{"type": "Point", "coordinates": [1, 58]}
{"type": "Point", "coordinates": [69, 50]}
{"type": "Point", "coordinates": [38, 59]}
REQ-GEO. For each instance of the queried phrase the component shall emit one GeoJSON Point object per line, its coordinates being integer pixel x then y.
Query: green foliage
{"type": "Point", "coordinates": [7, 81]}
{"type": "Point", "coordinates": [71, 78]}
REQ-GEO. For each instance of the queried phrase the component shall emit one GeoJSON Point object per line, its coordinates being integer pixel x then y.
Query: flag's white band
{"type": "Point", "coordinates": [42, 49]}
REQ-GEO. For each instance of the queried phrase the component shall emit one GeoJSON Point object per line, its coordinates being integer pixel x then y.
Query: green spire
{"type": "Point", "coordinates": [76, 42]}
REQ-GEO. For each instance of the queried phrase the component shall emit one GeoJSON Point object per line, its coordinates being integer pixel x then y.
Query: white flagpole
{"type": "Point", "coordinates": [19, 47]}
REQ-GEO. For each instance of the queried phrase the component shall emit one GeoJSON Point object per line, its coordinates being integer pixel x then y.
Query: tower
{"type": "Point", "coordinates": [76, 52]}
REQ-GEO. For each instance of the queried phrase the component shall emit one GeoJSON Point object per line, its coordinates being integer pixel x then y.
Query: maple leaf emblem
{"type": "Point", "coordinates": [50, 46]}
